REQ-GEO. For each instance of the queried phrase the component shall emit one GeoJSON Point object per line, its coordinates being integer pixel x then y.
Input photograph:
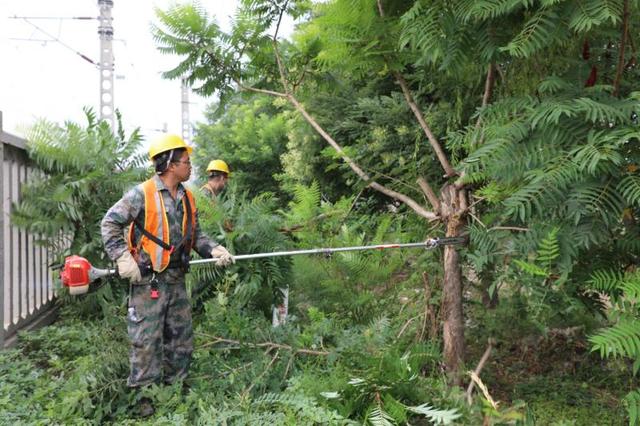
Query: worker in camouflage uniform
{"type": "Point", "coordinates": [160, 220]}
{"type": "Point", "coordinates": [218, 175]}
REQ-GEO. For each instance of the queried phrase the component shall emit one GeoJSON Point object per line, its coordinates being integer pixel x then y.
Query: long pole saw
{"type": "Point", "coordinates": [77, 273]}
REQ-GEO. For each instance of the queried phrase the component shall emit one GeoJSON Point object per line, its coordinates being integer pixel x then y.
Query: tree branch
{"type": "Point", "coordinates": [263, 91]}
{"type": "Point", "coordinates": [361, 173]}
{"type": "Point", "coordinates": [508, 228]}
{"type": "Point", "coordinates": [281, 70]}
{"type": "Point", "coordinates": [488, 89]}
{"type": "Point", "coordinates": [429, 193]}
{"type": "Point", "coordinates": [623, 43]}
{"type": "Point", "coordinates": [297, 227]}
{"type": "Point", "coordinates": [442, 157]}
{"type": "Point", "coordinates": [303, 74]}
{"type": "Point", "coordinates": [269, 345]}
{"type": "Point", "coordinates": [462, 200]}
{"type": "Point", "coordinates": [444, 161]}
{"type": "Point", "coordinates": [415, 206]}
{"type": "Point", "coordinates": [489, 84]}
{"type": "Point", "coordinates": [282, 10]}
{"type": "Point", "coordinates": [449, 171]}
{"type": "Point", "coordinates": [474, 217]}
{"type": "Point", "coordinates": [429, 312]}
{"type": "Point", "coordinates": [478, 369]}
{"type": "Point", "coordinates": [255, 380]}
{"type": "Point", "coordinates": [406, 324]}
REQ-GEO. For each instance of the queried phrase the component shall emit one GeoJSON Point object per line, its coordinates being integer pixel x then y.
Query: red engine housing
{"type": "Point", "coordinates": [75, 272]}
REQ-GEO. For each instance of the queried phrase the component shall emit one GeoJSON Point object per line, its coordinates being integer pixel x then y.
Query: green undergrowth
{"type": "Point", "coordinates": [551, 368]}
{"type": "Point", "coordinates": [362, 343]}
{"type": "Point", "coordinates": [339, 360]}
{"type": "Point", "coordinates": [74, 373]}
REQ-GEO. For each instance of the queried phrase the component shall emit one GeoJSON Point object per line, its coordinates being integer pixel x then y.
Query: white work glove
{"type": "Point", "coordinates": [128, 267]}
{"type": "Point", "coordinates": [223, 255]}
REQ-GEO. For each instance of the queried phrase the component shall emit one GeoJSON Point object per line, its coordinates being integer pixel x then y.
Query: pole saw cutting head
{"type": "Point", "coordinates": [77, 273]}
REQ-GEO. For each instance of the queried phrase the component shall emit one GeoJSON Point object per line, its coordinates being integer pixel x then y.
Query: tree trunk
{"type": "Point", "coordinates": [453, 321]}
{"type": "Point", "coordinates": [453, 327]}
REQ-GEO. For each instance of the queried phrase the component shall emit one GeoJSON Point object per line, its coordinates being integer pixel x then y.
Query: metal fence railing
{"type": "Point", "coordinates": [26, 283]}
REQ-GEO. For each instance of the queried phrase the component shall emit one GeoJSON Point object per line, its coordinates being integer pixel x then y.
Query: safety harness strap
{"type": "Point", "coordinates": [186, 239]}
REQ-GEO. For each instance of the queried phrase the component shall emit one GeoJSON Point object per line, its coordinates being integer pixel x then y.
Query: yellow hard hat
{"type": "Point", "coordinates": [218, 166]}
{"type": "Point", "coordinates": [167, 142]}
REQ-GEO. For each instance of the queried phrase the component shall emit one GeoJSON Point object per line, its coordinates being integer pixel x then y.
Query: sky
{"type": "Point", "coordinates": [44, 79]}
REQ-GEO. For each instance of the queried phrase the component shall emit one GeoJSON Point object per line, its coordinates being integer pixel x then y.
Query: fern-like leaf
{"type": "Point", "coordinates": [444, 417]}
{"type": "Point", "coordinates": [622, 339]}
{"type": "Point", "coordinates": [549, 249]}
{"type": "Point", "coordinates": [632, 403]}
{"type": "Point", "coordinates": [531, 268]}
{"type": "Point", "coordinates": [588, 14]}
{"type": "Point", "coordinates": [629, 187]}
{"type": "Point", "coordinates": [379, 417]}
{"type": "Point", "coordinates": [605, 280]}
{"type": "Point", "coordinates": [540, 31]}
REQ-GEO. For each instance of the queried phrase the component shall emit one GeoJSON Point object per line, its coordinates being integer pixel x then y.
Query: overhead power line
{"type": "Point", "coordinates": [62, 43]}
{"type": "Point", "coordinates": [40, 40]}
{"type": "Point", "coordinates": [82, 18]}
{"type": "Point", "coordinates": [106, 64]}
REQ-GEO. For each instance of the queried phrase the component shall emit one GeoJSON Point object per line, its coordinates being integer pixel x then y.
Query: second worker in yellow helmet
{"type": "Point", "coordinates": [218, 175]}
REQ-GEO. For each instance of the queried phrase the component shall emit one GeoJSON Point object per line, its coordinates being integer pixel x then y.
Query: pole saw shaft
{"type": "Point", "coordinates": [431, 243]}
{"type": "Point", "coordinates": [77, 273]}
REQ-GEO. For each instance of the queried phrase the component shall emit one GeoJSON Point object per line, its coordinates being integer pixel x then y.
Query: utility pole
{"type": "Point", "coordinates": [186, 125]}
{"type": "Point", "coordinates": [105, 30]}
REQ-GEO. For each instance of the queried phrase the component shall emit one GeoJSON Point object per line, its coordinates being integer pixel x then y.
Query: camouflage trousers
{"type": "Point", "coordinates": [160, 333]}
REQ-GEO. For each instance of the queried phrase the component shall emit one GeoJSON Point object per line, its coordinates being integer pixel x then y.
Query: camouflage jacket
{"type": "Point", "coordinates": [115, 224]}
{"type": "Point", "coordinates": [207, 192]}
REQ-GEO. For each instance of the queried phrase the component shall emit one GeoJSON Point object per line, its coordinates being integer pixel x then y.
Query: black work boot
{"type": "Point", "coordinates": [145, 407]}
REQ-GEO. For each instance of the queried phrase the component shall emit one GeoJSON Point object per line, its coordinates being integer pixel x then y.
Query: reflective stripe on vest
{"type": "Point", "coordinates": [156, 223]}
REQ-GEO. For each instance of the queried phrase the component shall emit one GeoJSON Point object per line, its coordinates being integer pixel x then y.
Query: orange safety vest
{"type": "Point", "coordinates": [157, 224]}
